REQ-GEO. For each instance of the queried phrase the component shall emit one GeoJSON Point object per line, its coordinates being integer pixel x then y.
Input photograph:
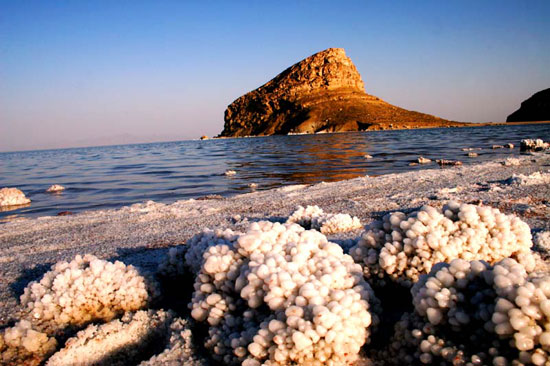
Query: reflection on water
{"type": "Point", "coordinates": [113, 176]}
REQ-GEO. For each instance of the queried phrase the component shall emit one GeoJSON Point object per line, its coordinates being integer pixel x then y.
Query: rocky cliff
{"type": "Point", "coordinates": [536, 108]}
{"type": "Point", "coordinates": [322, 93]}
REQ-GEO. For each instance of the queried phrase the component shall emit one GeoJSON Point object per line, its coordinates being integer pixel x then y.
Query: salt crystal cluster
{"type": "Point", "coordinates": [23, 345]}
{"type": "Point", "coordinates": [472, 313]}
{"type": "Point", "coordinates": [533, 145]}
{"type": "Point", "coordinates": [119, 342]}
{"type": "Point", "coordinates": [542, 241]}
{"type": "Point", "coordinates": [189, 256]}
{"type": "Point", "coordinates": [55, 188]}
{"type": "Point", "coordinates": [313, 217]}
{"type": "Point", "coordinates": [282, 295]}
{"type": "Point", "coordinates": [85, 290]}
{"type": "Point", "coordinates": [12, 197]}
{"type": "Point", "coordinates": [402, 247]}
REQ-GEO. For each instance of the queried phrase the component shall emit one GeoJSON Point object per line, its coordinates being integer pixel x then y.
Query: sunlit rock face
{"type": "Point", "coordinates": [322, 93]}
{"type": "Point", "coordinates": [536, 108]}
{"type": "Point", "coordinates": [12, 197]}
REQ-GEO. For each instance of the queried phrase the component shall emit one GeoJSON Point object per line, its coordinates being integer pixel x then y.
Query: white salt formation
{"type": "Point", "coordinates": [282, 295]}
{"type": "Point", "coordinates": [533, 145]}
{"type": "Point", "coordinates": [55, 188]}
{"type": "Point", "coordinates": [542, 241]}
{"type": "Point", "coordinates": [12, 197]}
{"type": "Point", "coordinates": [180, 350]}
{"type": "Point", "coordinates": [84, 290]}
{"type": "Point", "coordinates": [469, 313]}
{"type": "Point", "coordinates": [189, 256]}
{"type": "Point", "coordinates": [23, 345]}
{"type": "Point", "coordinates": [402, 247]}
{"type": "Point", "coordinates": [313, 217]}
{"type": "Point", "coordinates": [529, 180]}
{"type": "Point", "coordinates": [511, 162]}
{"type": "Point", "coordinates": [423, 160]}
{"type": "Point", "coordinates": [116, 343]}
{"type": "Point", "coordinates": [230, 172]}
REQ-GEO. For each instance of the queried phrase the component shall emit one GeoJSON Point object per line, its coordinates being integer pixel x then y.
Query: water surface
{"type": "Point", "coordinates": [114, 176]}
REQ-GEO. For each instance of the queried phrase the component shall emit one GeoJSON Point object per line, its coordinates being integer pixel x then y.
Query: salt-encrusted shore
{"type": "Point", "coordinates": [141, 234]}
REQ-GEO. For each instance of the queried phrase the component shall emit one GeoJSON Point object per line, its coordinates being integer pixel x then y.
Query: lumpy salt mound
{"type": "Point", "coordinates": [282, 295]}
{"type": "Point", "coordinates": [85, 290]}
{"type": "Point", "coordinates": [23, 345]}
{"type": "Point", "coordinates": [472, 313]}
{"type": "Point", "coordinates": [117, 343]}
{"type": "Point", "coordinates": [402, 247]}
{"type": "Point", "coordinates": [313, 217]}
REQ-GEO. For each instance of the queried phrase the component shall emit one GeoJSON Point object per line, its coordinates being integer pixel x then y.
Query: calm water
{"type": "Point", "coordinates": [114, 176]}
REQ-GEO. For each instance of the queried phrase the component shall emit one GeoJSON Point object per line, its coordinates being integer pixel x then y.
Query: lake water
{"type": "Point", "coordinates": [114, 176]}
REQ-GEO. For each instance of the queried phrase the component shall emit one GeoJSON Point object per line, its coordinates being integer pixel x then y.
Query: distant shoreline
{"type": "Point", "coordinates": [398, 128]}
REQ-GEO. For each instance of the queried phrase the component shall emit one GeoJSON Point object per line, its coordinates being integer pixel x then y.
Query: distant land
{"type": "Point", "coordinates": [322, 93]}
{"type": "Point", "coordinates": [536, 108]}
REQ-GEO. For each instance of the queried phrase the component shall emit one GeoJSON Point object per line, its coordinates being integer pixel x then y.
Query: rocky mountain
{"type": "Point", "coordinates": [322, 93]}
{"type": "Point", "coordinates": [536, 108]}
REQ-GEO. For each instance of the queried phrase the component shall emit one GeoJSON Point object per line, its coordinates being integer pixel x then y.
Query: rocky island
{"type": "Point", "coordinates": [322, 93]}
{"type": "Point", "coordinates": [536, 108]}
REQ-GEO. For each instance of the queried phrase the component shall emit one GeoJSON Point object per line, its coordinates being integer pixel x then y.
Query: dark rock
{"type": "Point", "coordinates": [322, 93]}
{"type": "Point", "coordinates": [536, 108]}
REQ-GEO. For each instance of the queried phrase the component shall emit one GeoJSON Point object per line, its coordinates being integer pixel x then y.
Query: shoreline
{"type": "Point", "coordinates": [387, 128]}
{"type": "Point", "coordinates": [141, 233]}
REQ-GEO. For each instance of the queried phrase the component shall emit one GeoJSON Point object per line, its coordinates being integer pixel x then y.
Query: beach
{"type": "Point", "coordinates": [141, 234]}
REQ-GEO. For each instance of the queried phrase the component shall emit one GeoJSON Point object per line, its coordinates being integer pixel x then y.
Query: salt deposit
{"type": "Point", "coordinates": [533, 145]}
{"type": "Point", "coordinates": [531, 179]}
{"type": "Point", "coordinates": [84, 290]}
{"type": "Point", "coordinates": [142, 234]}
{"type": "Point", "coordinates": [313, 217]}
{"type": "Point", "coordinates": [117, 343]}
{"type": "Point", "coordinates": [180, 350]}
{"type": "Point", "coordinates": [55, 188]}
{"type": "Point", "coordinates": [471, 313]}
{"type": "Point", "coordinates": [542, 241]}
{"type": "Point", "coordinates": [282, 295]}
{"type": "Point", "coordinates": [230, 172]}
{"type": "Point", "coordinates": [402, 247]}
{"type": "Point", "coordinates": [23, 345]}
{"type": "Point", "coordinates": [423, 160]}
{"type": "Point", "coordinates": [12, 197]}
{"type": "Point", "coordinates": [443, 162]}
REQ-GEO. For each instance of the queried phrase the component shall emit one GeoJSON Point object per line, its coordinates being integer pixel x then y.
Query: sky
{"type": "Point", "coordinates": [83, 73]}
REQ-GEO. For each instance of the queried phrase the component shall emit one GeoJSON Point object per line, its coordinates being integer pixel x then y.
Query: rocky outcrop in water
{"type": "Point", "coordinates": [536, 108]}
{"type": "Point", "coordinates": [322, 93]}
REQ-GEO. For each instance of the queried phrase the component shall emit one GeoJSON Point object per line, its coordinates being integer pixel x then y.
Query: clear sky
{"type": "Point", "coordinates": [80, 73]}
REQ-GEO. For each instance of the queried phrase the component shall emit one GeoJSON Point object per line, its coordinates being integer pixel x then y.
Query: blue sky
{"type": "Point", "coordinates": [100, 72]}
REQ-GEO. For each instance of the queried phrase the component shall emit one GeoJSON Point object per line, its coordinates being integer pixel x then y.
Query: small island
{"type": "Point", "coordinates": [322, 93]}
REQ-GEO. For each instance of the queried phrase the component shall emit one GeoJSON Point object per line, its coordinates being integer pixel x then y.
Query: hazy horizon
{"type": "Point", "coordinates": [98, 72]}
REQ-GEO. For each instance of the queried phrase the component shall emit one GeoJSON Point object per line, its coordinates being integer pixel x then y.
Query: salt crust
{"type": "Point", "coordinates": [313, 217]}
{"type": "Point", "coordinates": [118, 342]}
{"type": "Point", "coordinates": [402, 247]}
{"type": "Point", "coordinates": [55, 188]}
{"type": "Point", "coordinates": [12, 197]}
{"type": "Point", "coordinates": [472, 313]}
{"type": "Point", "coordinates": [23, 345]}
{"type": "Point", "coordinates": [281, 295]}
{"type": "Point", "coordinates": [84, 290]}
